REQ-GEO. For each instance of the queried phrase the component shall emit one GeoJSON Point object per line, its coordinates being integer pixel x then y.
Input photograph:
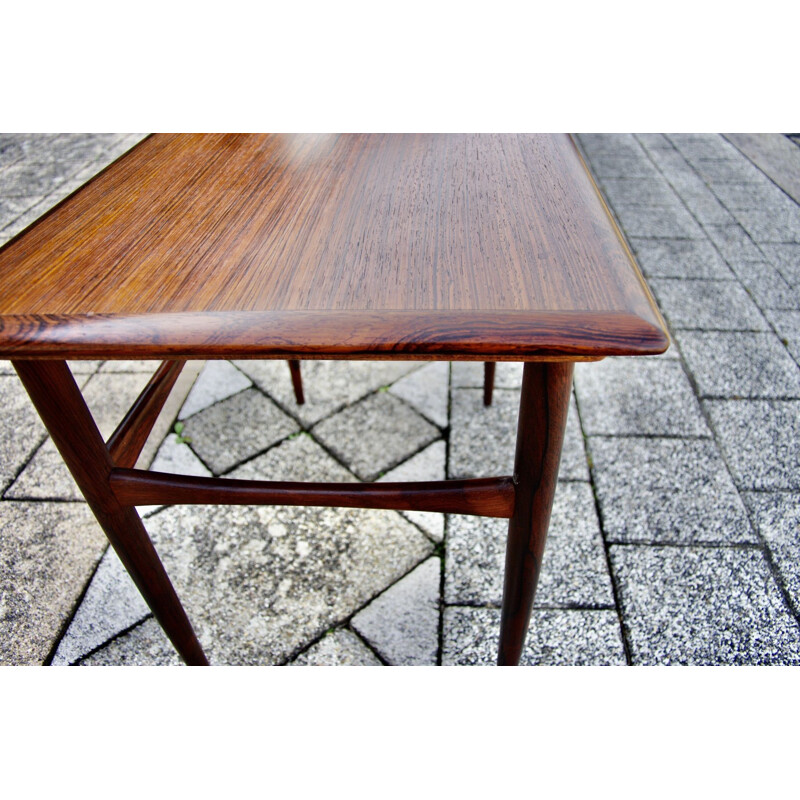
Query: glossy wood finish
{"type": "Point", "coordinates": [297, 381]}
{"type": "Point", "coordinates": [62, 408]}
{"type": "Point", "coordinates": [485, 497]}
{"type": "Point", "coordinates": [488, 382]}
{"type": "Point", "coordinates": [389, 246]}
{"type": "Point", "coordinates": [540, 434]}
{"type": "Point", "coordinates": [127, 441]}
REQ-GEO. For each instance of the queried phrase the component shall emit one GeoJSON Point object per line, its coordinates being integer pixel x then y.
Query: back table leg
{"type": "Point", "coordinates": [63, 410]}
{"type": "Point", "coordinates": [540, 435]}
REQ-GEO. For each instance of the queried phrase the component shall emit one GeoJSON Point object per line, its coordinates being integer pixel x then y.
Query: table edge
{"type": "Point", "coordinates": [433, 335]}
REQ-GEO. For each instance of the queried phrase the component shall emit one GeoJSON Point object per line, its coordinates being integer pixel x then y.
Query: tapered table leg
{"type": "Point", "coordinates": [297, 381]}
{"type": "Point", "coordinates": [63, 410]}
{"type": "Point", "coordinates": [488, 382]}
{"type": "Point", "coordinates": [540, 435]}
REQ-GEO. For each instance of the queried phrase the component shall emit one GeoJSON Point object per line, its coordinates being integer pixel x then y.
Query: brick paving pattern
{"type": "Point", "coordinates": [675, 536]}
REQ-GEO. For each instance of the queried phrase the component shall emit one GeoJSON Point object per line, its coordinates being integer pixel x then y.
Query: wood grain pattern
{"type": "Point", "coordinates": [130, 436]}
{"type": "Point", "coordinates": [486, 497]}
{"type": "Point", "coordinates": [455, 234]}
{"type": "Point", "coordinates": [544, 404]}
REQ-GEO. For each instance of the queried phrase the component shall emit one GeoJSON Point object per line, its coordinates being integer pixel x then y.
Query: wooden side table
{"type": "Point", "coordinates": [432, 247]}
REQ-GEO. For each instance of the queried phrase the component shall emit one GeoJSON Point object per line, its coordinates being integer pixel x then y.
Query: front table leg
{"type": "Point", "coordinates": [540, 433]}
{"type": "Point", "coordinates": [63, 410]}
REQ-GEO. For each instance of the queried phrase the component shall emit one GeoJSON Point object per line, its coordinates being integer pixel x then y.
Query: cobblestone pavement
{"type": "Point", "coordinates": [674, 537]}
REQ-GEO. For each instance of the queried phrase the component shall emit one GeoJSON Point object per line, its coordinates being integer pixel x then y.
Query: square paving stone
{"type": "Point", "coordinates": [555, 638]}
{"type": "Point", "coordinates": [21, 431]}
{"type": "Point", "coordinates": [375, 434]}
{"type": "Point", "coordinates": [574, 571]}
{"type": "Point", "coordinates": [342, 648]}
{"type": "Point", "coordinates": [771, 224]}
{"type": "Point", "coordinates": [707, 305]}
{"type": "Point", "coordinates": [112, 604]}
{"type": "Point", "coordinates": [622, 144]}
{"type": "Point", "coordinates": [261, 583]}
{"type": "Point", "coordinates": [691, 605]}
{"type": "Point", "coordinates": [427, 390]}
{"type": "Point", "coordinates": [734, 244]}
{"type": "Point", "coordinates": [777, 517]}
{"type": "Point", "coordinates": [672, 222]}
{"type": "Point", "coordinates": [666, 491]}
{"type": "Point", "coordinates": [702, 203]}
{"type": "Point", "coordinates": [620, 396]}
{"type": "Point", "coordinates": [110, 396]}
{"type": "Point", "coordinates": [612, 165]}
{"type": "Point", "coordinates": [47, 553]}
{"type": "Point", "coordinates": [750, 195]}
{"type": "Point", "coordinates": [427, 465]}
{"type": "Point", "coordinates": [45, 477]}
{"type": "Point", "coordinates": [767, 286]}
{"type": "Point", "coordinates": [145, 646]}
{"type": "Point", "coordinates": [786, 258]}
{"type": "Point", "coordinates": [402, 623]}
{"type": "Point", "coordinates": [217, 381]}
{"type": "Point", "coordinates": [654, 141]}
{"type": "Point", "coordinates": [148, 366]}
{"type": "Point", "coordinates": [787, 326]}
{"type": "Point", "coordinates": [738, 365]}
{"type": "Point", "coordinates": [469, 375]}
{"type": "Point", "coordinates": [235, 429]}
{"type": "Point", "coordinates": [639, 192]}
{"type": "Point", "coordinates": [760, 440]}
{"type": "Point", "coordinates": [328, 386]}
{"type": "Point", "coordinates": [680, 258]}
{"type": "Point", "coordinates": [696, 146]}
{"type": "Point", "coordinates": [733, 170]}
{"type": "Point", "coordinates": [483, 439]}
{"type": "Point", "coordinates": [24, 179]}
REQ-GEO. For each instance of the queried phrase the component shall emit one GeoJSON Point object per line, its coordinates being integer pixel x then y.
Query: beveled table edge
{"type": "Point", "coordinates": [346, 335]}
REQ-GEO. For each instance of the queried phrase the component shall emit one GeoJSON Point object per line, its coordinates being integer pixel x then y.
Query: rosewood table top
{"type": "Point", "coordinates": [330, 246]}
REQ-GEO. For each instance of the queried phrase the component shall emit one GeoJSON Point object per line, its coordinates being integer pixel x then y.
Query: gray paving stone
{"type": "Point", "coordinates": [734, 170]}
{"type": "Point", "coordinates": [83, 368]}
{"type": "Point", "coordinates": [667, 491]}
{"type": "Point", "coordinates": [328, 385]}
{"type": "Point", "coordinates": [402, 624]}
{"type": "Point", "coordinates": [623, 396]}
{"type": "Point", "coordinates": [771, 224]}
{"type": "Point", "coordinates": [112, 604]}
{"type": "Point", "coordinates": [428, 465]}
{"type": "Point", "coordinates": [612, 143]}
{"type": "Point", "coordinates": [644, 222]}
{"type": "Point", "coordinates": [555, 638]}
{"type": "Point", "coordinates": [47, 553]}
{"type": "Point", "coordinates": [77, 147]}
{"type": "Point", "coordinates": [45, 477]}
{"type": "Point", "coordinates": [10, 149]}
{"type": "Point", "coordinates": [148, 366]}
{"type": "Point", "coordinates": [767, 286]}
{"type": "Point", "coordinates": [787, 326]}
{"type": "Point", "coordinates": [110, 396]}
{"type": "Point", "coordinates": [680, 258]}
{"type": "Point", "coordinates": [776, 515]}
{"type": "Point", "coordinates": [145, 646]}
{"type": "Point", "coordinates": [375, 434]}
{"type": "Point", "coordinates": [612, 165]}
{"type": "Point", "coordinates": [218, 381]}
{"type": "Point", "coordinates": [738, 365]}
{"type": "Point", "coordinates": [24, 179]}
{"type": "Point", "coordinates": [299, 458]}
{"type": "Point", "coordinates": [235, 429]}
{"type": "Point", "coordinates": [786, 258]}
{"type": "Point", "coordinates": [687, 605]}
{"type": "Point", "coordinates": [734, 244]}
{"type": "Point", "coordinates": [11, 208]}
{"type": "Point", "coordinates": [654, 141]}
{"type": "Point", "coordinates": [427, 391]}
{"type": "Point", "coordinates": [750, 195]}
{"type": "Point", "coordinates": [469, 374]}
{"type": "Point", "coordinates": [21, 431]}
{"type": "Point", "coordinates": [574, 571]}
{"type": "Point", "coordinates": [641, 192]}
{"type": "Point", "coordinates": [342, 648]}
{"type": "Point", "coordinates": [703, 304]}
{"type": "Point", "coordinates": [760, 440]}
{"type": "Point", "coordinates": [483, 440]}
{"type": "Point", "coordinates": [697, 146]}
{"type": "Point", "coordinates": [702, 203]}
{"type": "Point", "coordinates": [260, 583]}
